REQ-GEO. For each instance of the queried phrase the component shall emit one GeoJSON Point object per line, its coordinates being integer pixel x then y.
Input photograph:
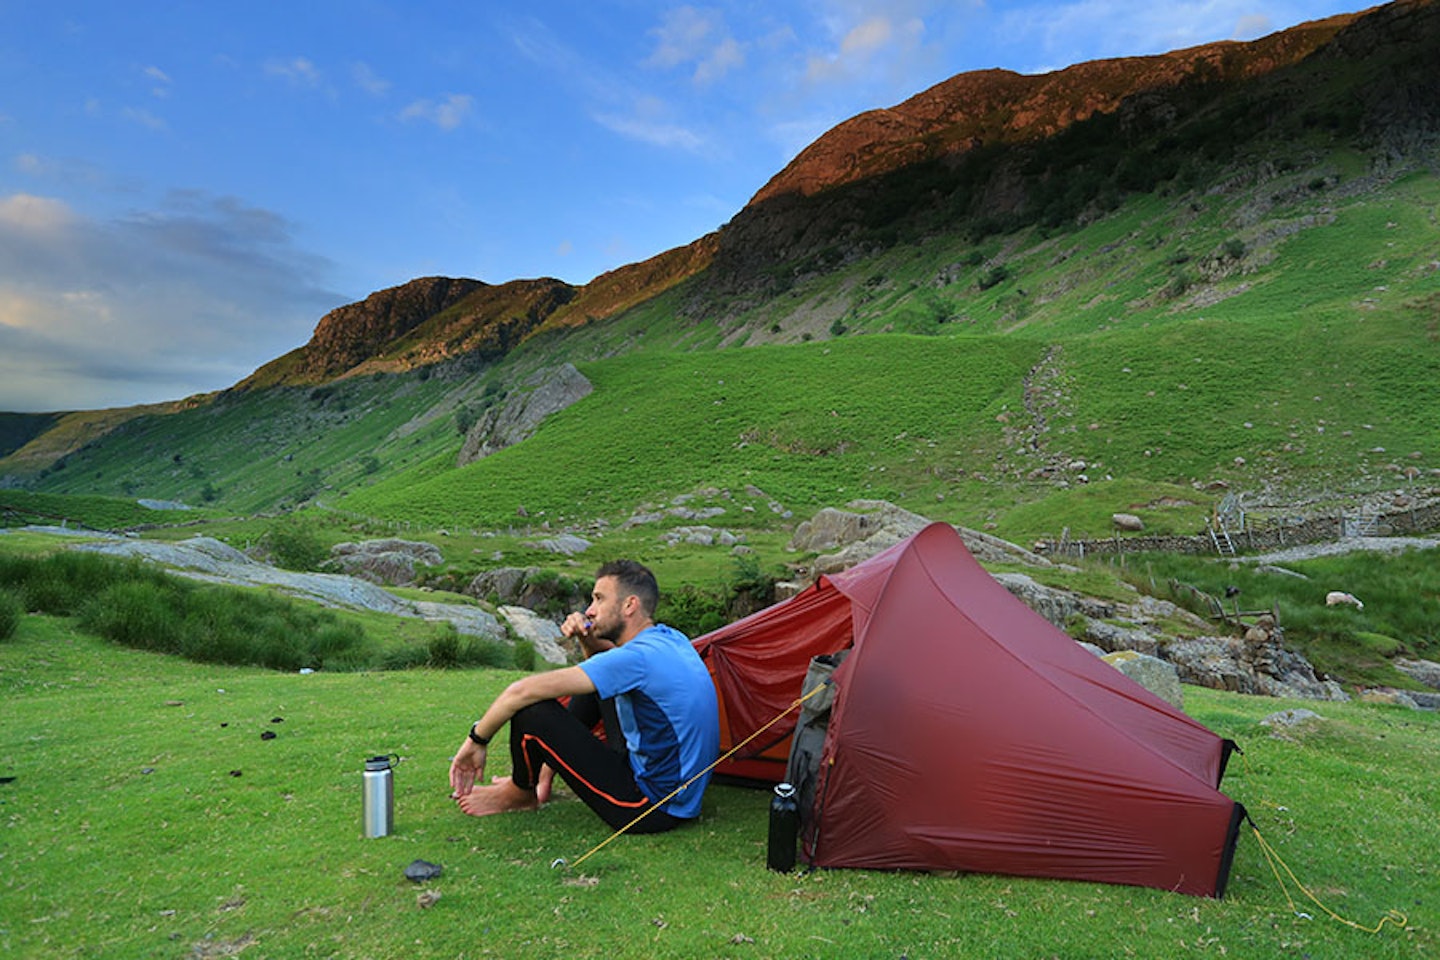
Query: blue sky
{"type": "Point", "coordinates": [186, 188]}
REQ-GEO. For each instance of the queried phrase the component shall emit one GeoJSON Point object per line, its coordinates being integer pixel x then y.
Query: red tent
{"type": "Point", "coordinates": [969, 733]}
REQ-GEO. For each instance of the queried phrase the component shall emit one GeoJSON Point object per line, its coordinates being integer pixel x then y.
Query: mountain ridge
{"type": "Point", "coordinates": [970, 111]}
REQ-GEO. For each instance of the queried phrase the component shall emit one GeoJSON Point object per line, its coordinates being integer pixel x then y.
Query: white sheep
{"type": "Point", "coordinates": [1336, 597]}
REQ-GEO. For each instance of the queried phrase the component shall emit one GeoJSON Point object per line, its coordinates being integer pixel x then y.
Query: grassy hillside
{"type": "Point", "coordinates": [270, 449]}
{"type": "Point", "coordinates": [1280, 335]}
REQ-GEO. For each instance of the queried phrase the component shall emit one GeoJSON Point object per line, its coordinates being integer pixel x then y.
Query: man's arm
{"type": "Point", "coordinates": [468, 764]}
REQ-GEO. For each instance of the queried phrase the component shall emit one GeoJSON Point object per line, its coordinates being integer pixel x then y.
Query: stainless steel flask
{"type": "Point", "coordinates": [380, 795]}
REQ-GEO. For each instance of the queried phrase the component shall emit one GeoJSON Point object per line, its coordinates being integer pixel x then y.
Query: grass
{"type": "Point", "coordinates": [1401, 616]}
{"type": "Point", "coordinates": [147, 817]}
{"type": "Point", "coordinates": [139, 605]}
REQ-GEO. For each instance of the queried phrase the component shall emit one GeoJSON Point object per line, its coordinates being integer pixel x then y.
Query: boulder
{"type": "Point", "coordinates": [470, 621]}
{"type": "Point", "coordinates": [525, 587]}
{"type": "Point", "coordinates": [1127, 522]}
{"type": "Point", "coordinates": [1111, 638]}
{"type": "Point", "coordinates": [1226, 663]}
{"type": "Point", "coordinates": [1293, 717]}
{"type": "Point", "coordinates": [1152, 673]}
{"type": "Point", "coordinates": [566, 544]}
{"type": "Point", "coordinates": [385, 561]}
{"type": "Point", "coordinates": [505, 583]}
{"type": "Point", "coordinates": [874, 523]}
{"type": "Point", "coordinates": [870, 526]}
{"type": "Point", "coordinates": [550, 644]}
{"type": "Point", "coordinates": [1057, 606]}
{"type": "Point", "coordinates": [1424, 671]}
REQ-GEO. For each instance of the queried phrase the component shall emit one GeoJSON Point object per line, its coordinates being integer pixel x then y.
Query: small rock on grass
{"type": "Point", "coordinates": [422, 870]}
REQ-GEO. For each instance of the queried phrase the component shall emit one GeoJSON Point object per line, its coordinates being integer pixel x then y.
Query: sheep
{"type": "Point", "coordinates": [1337, 597]}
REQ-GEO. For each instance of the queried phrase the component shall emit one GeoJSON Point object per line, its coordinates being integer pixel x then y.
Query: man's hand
{"type": "Point", "coordinates": [577, 626]}
{"type": "Point", "coordinates": [467, 767]}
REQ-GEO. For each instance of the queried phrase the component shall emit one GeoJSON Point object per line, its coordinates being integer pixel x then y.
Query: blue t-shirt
{"type": "Point", "coordinates": [668, 712]}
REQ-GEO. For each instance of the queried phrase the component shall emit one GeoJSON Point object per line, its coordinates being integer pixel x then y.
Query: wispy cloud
{"type": "Point", "coordinates": [652, 131]}
{"type": "Point", "coordinates": [368, 80]}
{"type": "Point", "coordinates": [688, 36]}
{"type": "Point", "coordinates": [873, 40]}
{"type": "Point", "coordinates": [160, 82]}
{"type": "Point", "coordinates": [155, 305]}
{"type": "Point", "coordinates": [447, 114]}
{"type": "Point", "coordinates": [143, 118]}
{"type": "Point", "coordinates": [300, 71]}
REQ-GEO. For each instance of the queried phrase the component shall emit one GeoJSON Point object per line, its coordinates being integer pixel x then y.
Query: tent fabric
{"type": "Point", "coordinates": [969, 733]}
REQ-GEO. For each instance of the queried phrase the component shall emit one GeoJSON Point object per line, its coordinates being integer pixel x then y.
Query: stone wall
{"type": "Point", "coordinates": [1259, 535]}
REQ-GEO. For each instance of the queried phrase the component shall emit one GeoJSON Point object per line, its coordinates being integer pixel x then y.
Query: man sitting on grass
{"type": "Point", "coordinates": [664, 699]}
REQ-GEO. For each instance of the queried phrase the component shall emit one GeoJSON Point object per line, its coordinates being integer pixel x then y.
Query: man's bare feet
{"type": "Point", "coordinates": [500, 796]}
{"type": "Point", "coordinates": [543, 788]}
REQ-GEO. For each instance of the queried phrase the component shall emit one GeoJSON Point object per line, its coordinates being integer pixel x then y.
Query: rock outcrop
{"type": "Point", "coordinates": [384, 562]}
{"type": "Point", "coordinates": [547, 392]}
{"type": "Point", "coordinates": [870, 526]}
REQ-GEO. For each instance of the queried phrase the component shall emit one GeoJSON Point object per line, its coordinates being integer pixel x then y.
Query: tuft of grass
{"type": "Point", "coordinates": [11, 610]}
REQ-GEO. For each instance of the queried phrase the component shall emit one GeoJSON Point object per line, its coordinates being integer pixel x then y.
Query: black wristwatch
{"type": "Point", "coordinates": [476, 738]}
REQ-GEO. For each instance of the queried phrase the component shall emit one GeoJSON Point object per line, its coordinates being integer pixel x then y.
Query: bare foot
{"type": "Point", "coordinates": [543, 788]}
{"type": "Point", "coordinates": [500, 796]}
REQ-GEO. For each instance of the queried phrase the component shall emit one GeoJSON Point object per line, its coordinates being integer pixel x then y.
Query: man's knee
{"type": "Point", "coordinates": [537, 716]}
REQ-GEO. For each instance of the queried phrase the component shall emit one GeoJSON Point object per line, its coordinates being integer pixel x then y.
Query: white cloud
{"type": "Point", "coordinates": [368, 80]}
{"type": "Point", "coordinates": [34, 215]}
{"type": "Point", "coordinates": [655, 132]}
{"type": "Point", "coordinates": [300, 71]}
{"type": "Point", "coordinates": [446, 114]}
{"type": "Point", "coordinates": [727, 56]}
{"type": "Point", "coordinates": [161, 79]}
{"type": "Point", "coordinates": [157, 305]}
{"type": "Point", "coordinates": [874, 39]}
{"type": "Point", "coordinates": [688, 35]}
{"type": "Point", "coordinates": [144, 118]}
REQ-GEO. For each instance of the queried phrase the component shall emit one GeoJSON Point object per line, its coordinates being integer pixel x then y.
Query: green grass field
{"type": "Point", "coordinates": [147, 817]}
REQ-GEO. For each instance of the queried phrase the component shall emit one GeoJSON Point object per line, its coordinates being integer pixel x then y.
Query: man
{"type": "Point", "coordinates": [665, 703]}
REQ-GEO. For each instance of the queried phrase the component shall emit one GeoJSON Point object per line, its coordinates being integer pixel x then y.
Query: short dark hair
{"type": "Point", "coordinates": [634, 579]}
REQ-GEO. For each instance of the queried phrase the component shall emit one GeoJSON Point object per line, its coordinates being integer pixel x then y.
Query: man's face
{"type": "Point", "coordinates": [604, 612]}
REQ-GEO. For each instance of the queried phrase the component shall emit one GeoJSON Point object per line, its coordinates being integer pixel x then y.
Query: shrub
{"type": "Point", "coordinates": [136, 613]}
{"type": "Point", "coordinates": [295, 545]}
{"type": "Point", "coordinates": [993, 277]}
{"type": "Point", "coordinates": [62, 583]}
{"type": "Point", "coordinates": [693, 611]}
{"type": "Point", "coordinates": [449, 650]}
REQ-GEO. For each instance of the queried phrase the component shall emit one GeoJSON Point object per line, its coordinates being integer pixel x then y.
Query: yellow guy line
{"type": "Point", "coordinates": [1272, 858]}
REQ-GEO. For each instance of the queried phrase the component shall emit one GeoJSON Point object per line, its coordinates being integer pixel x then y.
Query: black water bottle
{"type": "Point", "coordinates": [784, 829]}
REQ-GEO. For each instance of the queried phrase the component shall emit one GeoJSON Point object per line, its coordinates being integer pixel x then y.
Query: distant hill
{"type": "Point", "coordinates": [1212, 265]}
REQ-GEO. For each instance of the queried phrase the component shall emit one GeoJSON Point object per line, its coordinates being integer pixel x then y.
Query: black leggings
{"type": "Point", "coordinates": [600, 775]}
